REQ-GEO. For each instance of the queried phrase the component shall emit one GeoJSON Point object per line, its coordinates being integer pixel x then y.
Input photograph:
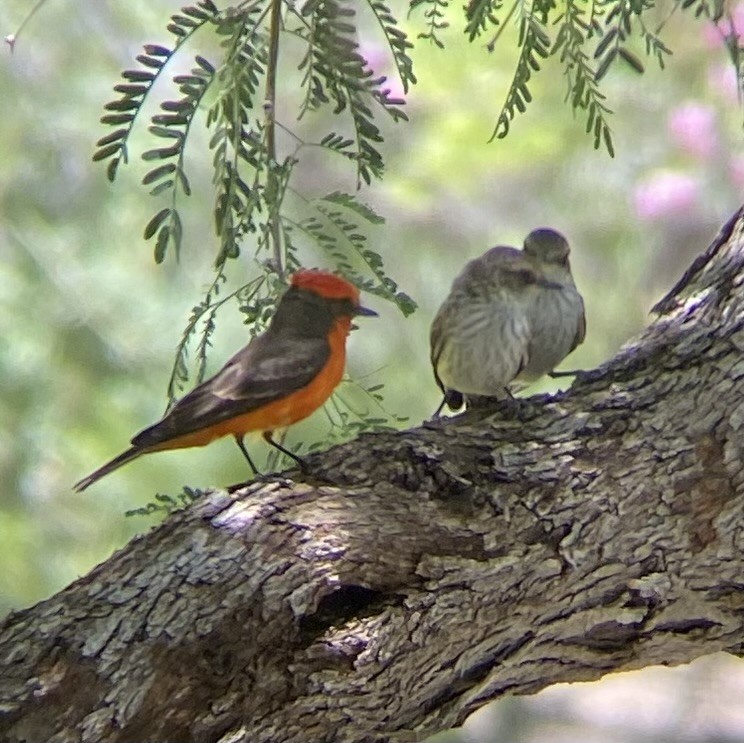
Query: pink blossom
{"type": "Point", "coordinates": [666, 193]}
{"type": "Point", "coordinates": [722, 80]}
{"type": "Point", "coordinates": [712, 36]}
{"type": "Point", "coordinates": [730, 25]}
{"type": "Point", "coordinates": [736, 170]}
{"type": "Point", "coordinates": [692, 127]}
{"type": "Point", "coordinates": [379, 61]}
{"type": "Point", "coordinates": [375, 54]}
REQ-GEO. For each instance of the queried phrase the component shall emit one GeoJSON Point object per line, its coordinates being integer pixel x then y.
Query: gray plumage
{"type": "Point", "coordinates": [511, 316]}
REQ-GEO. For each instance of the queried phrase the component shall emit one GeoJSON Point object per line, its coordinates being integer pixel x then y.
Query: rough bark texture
{"type": "Point", "coordinates": [445, 566]}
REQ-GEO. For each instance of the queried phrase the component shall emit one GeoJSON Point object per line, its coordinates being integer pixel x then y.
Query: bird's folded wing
{"type": "Point", "coordinates": [266, 370]}
{"type": "Point", "coordinates": [436, 340]}
{"type": "Point", "coordinates": [580, 328]}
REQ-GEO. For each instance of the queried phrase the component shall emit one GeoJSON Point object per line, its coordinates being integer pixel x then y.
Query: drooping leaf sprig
{"type": "Point", "coordinates": [335, 224]}
{"type": "Point", "coordinates": [250, 177]}
{"type": "Point", "coordinates": [588, 38]}
{"type": "Point", "coordinates": [337, 75]}
{"type": "Point", "coordinates": [435, 19]}
{"type": "Point", "coordinates": [139, 82]}
{"type": "Point", "coordinates": [234, 91]}
{"type": "Point", "coordinates": [201, 326]}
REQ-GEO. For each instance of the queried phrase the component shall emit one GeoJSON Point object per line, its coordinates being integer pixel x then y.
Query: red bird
{"type": "Point", "coordinates": [279, 378]}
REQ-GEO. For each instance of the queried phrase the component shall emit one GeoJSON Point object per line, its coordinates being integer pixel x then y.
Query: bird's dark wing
{"type": "Point", "coordinates": [436, 345]}
{"type": "Point", "coordinates": [581, 328]}
{"type": "Point", "coordinates": [452, 398]}
{"type": "Point", "coordinates": [266, 370]}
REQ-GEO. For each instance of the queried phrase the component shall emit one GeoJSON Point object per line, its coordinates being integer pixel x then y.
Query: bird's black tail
{"type": "Point", "coordinates": [114, 464]}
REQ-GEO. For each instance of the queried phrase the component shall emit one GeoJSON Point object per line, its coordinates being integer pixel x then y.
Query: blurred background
{"type": "Point", "coordinates": [89, 324]}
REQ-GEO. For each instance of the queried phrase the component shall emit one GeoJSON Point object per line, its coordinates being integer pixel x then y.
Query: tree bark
{"type": "Point", "coordinates": [418, 575]}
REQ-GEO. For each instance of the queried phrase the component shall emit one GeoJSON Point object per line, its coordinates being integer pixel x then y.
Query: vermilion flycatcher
{"type": "Point", "coordinates": [511, 316]}
{"type": "Point", "coordinates": [279, 378]}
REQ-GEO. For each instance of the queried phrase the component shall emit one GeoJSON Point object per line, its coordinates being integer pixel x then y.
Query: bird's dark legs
{"type": "Point", "coordinates": [513, 407]}
{"type": "Point", "coordinates": [241, 446]}
{"type": "Point", "coordinates": [568, 373]}
{"type": "Point", "coordinates": [301, 462]}
{"type": "Point", "coordinates": [269, 440]}
{"type": "Point", "coordinates": [452, 399]}
{"type": "Point", "coordinates": [505, 402]}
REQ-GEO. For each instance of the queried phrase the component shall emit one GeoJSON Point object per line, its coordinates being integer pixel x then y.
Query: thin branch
{"type": "Point", "coordinates": [270, 118]}
{"type": "Point", "coordinates": [11, 39]}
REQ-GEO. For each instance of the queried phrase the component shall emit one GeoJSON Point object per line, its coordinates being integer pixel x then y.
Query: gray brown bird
{"type": "Point", "coordinates": [511, 317]}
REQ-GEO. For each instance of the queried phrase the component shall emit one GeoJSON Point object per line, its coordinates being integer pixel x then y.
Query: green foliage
{"type": "Point", "coordinates": [334, 226]}
{"type": "Point", "coordinates": [258, 206]}
{"type": "Point", "coordinates": [534, 44]}
{"type": "Point", "coordinates": [139, 83]}
{"type": "Point", "coordinates": [336, 74]}
{"type": "Point", "coordinates": [590, 39]}
{"type": "Point", "coordinates": [435, 18]}
{"type": "Point", "coordinates": [397, 41]}
{"type": "Point", "coordinates": [360, 410]}
{"type": "Point", "coordinates": [239, 158]}
{"type": "Point", "coordinates": [236, 94]}
{"type": "Point", "coordinates": [251, 179]}
{"type": "Point", "coordinates": [479, 15]}
{"type": "Point", "coordinates": [582, 79]}
{"type": "Point", "coordinates": [250, 183]}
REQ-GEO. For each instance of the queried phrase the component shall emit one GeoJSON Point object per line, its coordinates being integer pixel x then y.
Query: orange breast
{"type": "Point", "coordinates": [284, 411]}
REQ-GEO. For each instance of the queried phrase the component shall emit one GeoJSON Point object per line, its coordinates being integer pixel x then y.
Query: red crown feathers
{"type": "Point", "coordinates": [325, 284]}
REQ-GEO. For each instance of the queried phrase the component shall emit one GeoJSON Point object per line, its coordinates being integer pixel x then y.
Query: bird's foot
{"type": "Point", "coordinates": [510, 407]}
{"type": "Point", "coordinates": [513, 408]}
{"type": "Point", "coordinates": [269, 478]}
{"type": "Point", "coordinates": [486, 402]}
{"type": "Point", "coordinates": [567, 373]}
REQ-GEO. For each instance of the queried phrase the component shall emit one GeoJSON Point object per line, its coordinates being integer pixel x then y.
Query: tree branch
{"type": "Point", "coordinates": [418, 575]}
{"type": "Point", "coordinates": [270, 122]}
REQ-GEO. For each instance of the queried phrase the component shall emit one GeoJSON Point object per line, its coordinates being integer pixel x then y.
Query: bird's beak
{"type": "Point", "coordinates": [365, 312]}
